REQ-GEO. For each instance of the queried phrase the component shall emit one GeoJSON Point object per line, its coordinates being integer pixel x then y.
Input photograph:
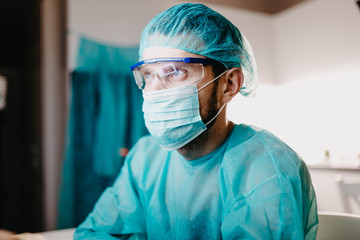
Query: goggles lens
{"type": "Point", "coordinates": [171, 72]}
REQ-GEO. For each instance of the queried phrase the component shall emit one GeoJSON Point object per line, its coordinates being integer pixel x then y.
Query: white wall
{"type": "Point", "coordinates": [112, 21]}
{"type": "Point", "coordinates": [316, 38]}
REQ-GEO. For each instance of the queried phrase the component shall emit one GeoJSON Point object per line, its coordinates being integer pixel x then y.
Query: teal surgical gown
{"type": "Point", "coordinates": [252, 187]}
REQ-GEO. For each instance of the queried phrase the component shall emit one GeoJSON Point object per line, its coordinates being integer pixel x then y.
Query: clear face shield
{"type": "Point", "coordinates": [171, 72]}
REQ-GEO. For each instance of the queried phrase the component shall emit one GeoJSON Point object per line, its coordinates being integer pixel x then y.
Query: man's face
{"type": "Point", "coordinates": [207, 96]}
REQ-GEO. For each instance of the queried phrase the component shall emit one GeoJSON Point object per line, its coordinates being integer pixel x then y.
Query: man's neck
{"type": "Point", "coordinates": [209, 140]}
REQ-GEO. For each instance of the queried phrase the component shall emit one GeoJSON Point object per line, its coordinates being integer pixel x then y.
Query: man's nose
{"type": "Point", "coordinates": [155, 84]}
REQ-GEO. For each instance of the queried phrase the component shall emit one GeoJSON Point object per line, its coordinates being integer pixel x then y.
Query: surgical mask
{"type": "Point", "coordinates": [172, 115]}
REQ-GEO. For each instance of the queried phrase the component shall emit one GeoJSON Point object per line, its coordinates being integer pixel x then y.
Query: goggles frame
{"type": "Point", "coordinates": [202, 61]}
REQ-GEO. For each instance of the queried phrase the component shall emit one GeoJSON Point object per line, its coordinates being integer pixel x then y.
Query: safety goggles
{"type": "Point", "coordinates": [172, 72]}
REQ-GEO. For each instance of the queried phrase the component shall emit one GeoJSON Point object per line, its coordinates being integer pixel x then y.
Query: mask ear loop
{"type": "Point", "coordinates": [222, 105]}
{"type": "Point", "coordinates": [212, 80]}
{"type": "Point", "coordinates": [216, 114]}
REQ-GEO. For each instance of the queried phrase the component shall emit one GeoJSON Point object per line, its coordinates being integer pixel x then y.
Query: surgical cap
{"type": "Point", "coordinates": [198, 29]}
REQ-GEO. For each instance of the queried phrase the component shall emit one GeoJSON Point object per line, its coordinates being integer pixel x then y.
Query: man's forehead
{"type": "Point", "coordinates": [164, 52]}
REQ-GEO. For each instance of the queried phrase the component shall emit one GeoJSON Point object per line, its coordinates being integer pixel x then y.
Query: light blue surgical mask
{"type": "Point", "coordinates": [172, 115]}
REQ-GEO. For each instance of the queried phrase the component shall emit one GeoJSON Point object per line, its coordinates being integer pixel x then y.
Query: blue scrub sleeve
{"type": "Point", "coordinates": [272, 213]}
{"type": "Point", "coordinates": [117, 214]}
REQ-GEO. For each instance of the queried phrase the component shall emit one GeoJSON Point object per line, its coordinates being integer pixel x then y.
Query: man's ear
{"type": "Point", "coordinates": [233, 81]}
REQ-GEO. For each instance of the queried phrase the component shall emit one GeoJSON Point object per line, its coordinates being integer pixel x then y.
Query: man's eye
{"type": "Point", "coordinates": [147, 76]}
{"type": "Point", "coordinates": [178, 75]}
{"type": "Point", "coordinates": [179, 72]}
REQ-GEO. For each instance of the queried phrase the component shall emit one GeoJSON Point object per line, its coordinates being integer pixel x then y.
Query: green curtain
{"type": "Point", "coordinates": [105, 121]}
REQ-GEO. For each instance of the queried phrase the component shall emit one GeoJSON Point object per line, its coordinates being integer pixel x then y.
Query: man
{"type": "Point", "coordinates": [200, 176]}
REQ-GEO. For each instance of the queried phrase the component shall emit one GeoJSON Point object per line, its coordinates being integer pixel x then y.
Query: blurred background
{"type": "Point", "coordinates": [70, 111]}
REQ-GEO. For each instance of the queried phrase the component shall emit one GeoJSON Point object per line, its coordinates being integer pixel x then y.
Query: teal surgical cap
{"type": "Point", "coordinates": [198, 29]}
